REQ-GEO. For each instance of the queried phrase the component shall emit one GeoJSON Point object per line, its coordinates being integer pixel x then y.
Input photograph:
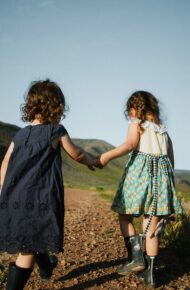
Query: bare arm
{"type": "Point", "coordinates": [129, 145]}
{"type": "Point", "coordinates": [76, 152]}
{"type": "Point", "coordinates": [170, 151]}
{"type": "Point", "coordinates": [4, 164]}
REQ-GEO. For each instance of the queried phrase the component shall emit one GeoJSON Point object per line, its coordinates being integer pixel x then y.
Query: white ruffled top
{"type": "Point", "coordinates": [154, 139]}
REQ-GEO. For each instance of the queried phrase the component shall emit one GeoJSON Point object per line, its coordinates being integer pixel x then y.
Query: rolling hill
{"type": "Point", "coordinates": [77, 175]}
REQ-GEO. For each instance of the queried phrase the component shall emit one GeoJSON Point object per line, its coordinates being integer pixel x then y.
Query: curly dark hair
{"type": "Point", "coordinates": [144, 103]}
{"type": "Point", "coordinates": [45, 101]}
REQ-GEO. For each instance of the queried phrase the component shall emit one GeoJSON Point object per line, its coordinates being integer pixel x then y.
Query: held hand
{"type": "Point", "coordinates": [91, 162]}
{"type": "Point", "coordinates": [103, 159]}
{"type": "Point", "coordinates": [91, 167]}
{"type": "Point", "coordinates": [87, 159]}
{"type": "Point", "coordinates": [98, 163]}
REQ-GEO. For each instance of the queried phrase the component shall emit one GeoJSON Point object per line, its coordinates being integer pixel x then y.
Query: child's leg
{"type": "Point", "coordinates": [46, 265]}
{"type": "Point", "coordinates": [135, 260]}
{"type": "Point", "coordinates": [126, 226]}
{"type": "Point", "coordinates": [151, 241]}
{"type": "Point", "coordinates": [25, 260]}
{"type": "Point", "coordinates": [19, 272]}
{"type": "Point", "coordinates": [152, 247]}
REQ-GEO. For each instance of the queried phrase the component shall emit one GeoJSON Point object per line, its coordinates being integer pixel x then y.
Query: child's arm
{"type": "Point", "coordinates": [129, 145]}
{"type": "Point", "coordinates": [170, 151]}
{"type": "Point", "coordinates": [4, 164]}
{"type": "Point", "coordinates": [77, 153]}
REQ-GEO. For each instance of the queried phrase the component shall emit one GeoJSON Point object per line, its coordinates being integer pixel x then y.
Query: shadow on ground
{"type": "Point", "coordinates": [173, 264]}
{"type": "Point", "coordinates": [92, 267]}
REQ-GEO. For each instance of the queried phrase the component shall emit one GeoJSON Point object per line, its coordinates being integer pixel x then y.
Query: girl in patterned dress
{"type": "Point", "coordinates": [32, 193]}
{"type": "Point", "coordinates": [147, 186]}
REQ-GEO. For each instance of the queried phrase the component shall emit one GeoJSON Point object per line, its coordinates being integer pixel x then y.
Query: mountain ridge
{"type": "Point", "coordinates": [78, 175]}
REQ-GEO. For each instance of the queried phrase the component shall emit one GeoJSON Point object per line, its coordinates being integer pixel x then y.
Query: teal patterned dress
{"type": "Point", "coordinates": [147, 185]}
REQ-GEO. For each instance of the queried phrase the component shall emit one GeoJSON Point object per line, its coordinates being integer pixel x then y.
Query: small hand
{"type": "Point", "coordinates": [103, 160]}
{"type": "Point", "coordinates": [91, 162]}
{"type": "Point", "coordinates": [98, 163]}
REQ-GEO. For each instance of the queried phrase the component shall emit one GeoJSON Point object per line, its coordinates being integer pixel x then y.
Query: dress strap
{"type": "Point", "coordinates": [155, 127]}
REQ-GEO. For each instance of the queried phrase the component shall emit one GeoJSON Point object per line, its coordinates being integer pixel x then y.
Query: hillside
{"type": "Point", "coordinates": [77, 175]}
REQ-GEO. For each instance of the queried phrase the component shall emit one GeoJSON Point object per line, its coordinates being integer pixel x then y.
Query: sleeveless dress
{"type": "Point", "coordinates": [32, 196]}
{"type": "Point", "coordinates": [147, 185]}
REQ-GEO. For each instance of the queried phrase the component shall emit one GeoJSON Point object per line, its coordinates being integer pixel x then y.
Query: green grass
{"type": "Point", "coordinates": [106, 196]}
{"type": "Point", "coordinates": [177, 235]}
{"type": "Point", "coordinates": [185, 196]}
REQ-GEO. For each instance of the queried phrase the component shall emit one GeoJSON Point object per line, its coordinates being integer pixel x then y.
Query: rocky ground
{"type": "Point", "coordinates": [93, 250]}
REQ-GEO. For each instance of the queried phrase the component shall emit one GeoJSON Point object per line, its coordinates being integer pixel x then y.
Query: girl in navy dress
{"type": "Point", "coordinates": [32, 193]}
{"type": "Point", "coordinates": [147, 186]}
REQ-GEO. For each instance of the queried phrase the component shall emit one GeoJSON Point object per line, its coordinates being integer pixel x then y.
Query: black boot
{"type": "Point", "coordinates": [46, 265]}
{"type": "Point", "coordinates": [135, 261]}
{"type": "Point", "coordinates": [148, 276]}
{"type": "Point", "coordinates": [17, 277]}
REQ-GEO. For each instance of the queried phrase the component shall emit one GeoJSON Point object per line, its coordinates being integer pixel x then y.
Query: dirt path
{"type": "Point", "coordinates": [94, 249]}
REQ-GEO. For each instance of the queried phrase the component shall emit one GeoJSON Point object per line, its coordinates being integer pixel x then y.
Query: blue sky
{"type": "Point", "coordinates": [99, 52]}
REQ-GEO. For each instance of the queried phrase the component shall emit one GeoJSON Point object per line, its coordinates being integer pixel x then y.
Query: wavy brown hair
{"type": "Point", "coordinates": [45, 101]}
{"type": "Point", "coordinates": [145, 104]}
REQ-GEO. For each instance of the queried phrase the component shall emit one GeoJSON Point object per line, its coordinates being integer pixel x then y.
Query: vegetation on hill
{"type": "Point", "coordinates": [75, 174]}
{"type": "Point", "coordinates": [78, 175]}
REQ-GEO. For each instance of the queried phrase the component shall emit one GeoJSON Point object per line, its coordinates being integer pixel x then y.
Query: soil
{"type": "Point", "coordinates": [94, 249]}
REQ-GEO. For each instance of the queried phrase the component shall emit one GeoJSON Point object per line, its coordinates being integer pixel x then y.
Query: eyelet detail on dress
{"type": "Point", "coordinates": [20, 238]}
{"type": "Point", "coordinates": [26, 244]}
{"type": "Point", "coordinates": [43, 206]}
{"type": "Point", "coordinates": [49, 238]}
{"type": "Point", "coordinates": [29, 205]}
{"type": "Point", "coordinates": [15, 205]}
{"type": "Point", "coordinates": [3, 205]}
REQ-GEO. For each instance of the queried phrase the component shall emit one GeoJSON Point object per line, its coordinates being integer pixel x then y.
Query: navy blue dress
{"type": "Point", "coordinates": [32, 197]}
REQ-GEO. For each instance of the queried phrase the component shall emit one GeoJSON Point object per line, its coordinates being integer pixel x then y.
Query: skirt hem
{"type": "Point", "coordinates": [145, 212]}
